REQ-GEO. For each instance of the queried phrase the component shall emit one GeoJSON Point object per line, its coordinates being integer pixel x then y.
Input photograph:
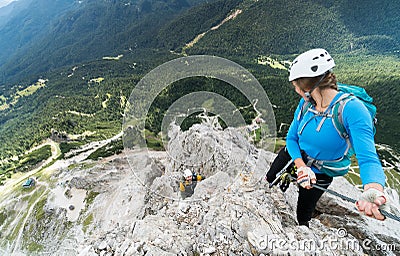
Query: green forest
{"type": "Point", "coordinates": [84, 93]}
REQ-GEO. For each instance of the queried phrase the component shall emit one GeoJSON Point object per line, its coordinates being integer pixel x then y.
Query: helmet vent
{"type": "Point", "coordinates": [315, 58]}
{"type": "Point", "coordinates": [322, 55]}
{"type": "Point", "coordinates": [314, 68]}
{"type": "Point", "coordinates": [329, 59]}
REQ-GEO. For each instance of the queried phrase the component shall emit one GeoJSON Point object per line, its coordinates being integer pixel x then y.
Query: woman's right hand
{"type": "Point", "coordinates": [306, 177]}
{"type": "Point", "coordinates": [373, 199]}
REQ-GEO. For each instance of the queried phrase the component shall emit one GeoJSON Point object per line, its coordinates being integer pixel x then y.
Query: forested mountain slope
{"type": "Point", "coordinates": [77, 77]}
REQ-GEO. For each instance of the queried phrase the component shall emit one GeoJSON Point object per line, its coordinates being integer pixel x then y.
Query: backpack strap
{"type": "Point", "coordinates": [324, 115]}
{"type": "Point", "coordinates": [304, 109]}
{"type": "Point", "coordinates": [335, 111]}
{"type": "Point", "coordinates": [307, 107]}
{"type": "Point", "coordinates": [337, 119]}
{"type": "Point", "coordinates": [338, 115]}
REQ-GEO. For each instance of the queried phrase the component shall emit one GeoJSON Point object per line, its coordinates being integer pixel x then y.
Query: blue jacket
{"type": "Point", "coordinates": [327, 144]}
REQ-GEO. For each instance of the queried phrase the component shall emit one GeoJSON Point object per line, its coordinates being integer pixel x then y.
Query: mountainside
{"type": "Point", "coordinates": [11, 10]}
{"type": "Point", "coordinates": [144, 32]}
{"type": "Point", "coordinates": [83, 31]}
{"type": "Point", "coordinates": [175, 34]}
{"type": "Point", "coordinates": [284, 27]}
{"type": "Point", "coordinates": [126, 40]}
{"type": "Point", "coordinates": [121, 42]}
{"type": "Point", "coordinates": [380, 17]}
{"type": "Point", "coordinates": [92, 29]}
{"type": "Point", "coordinates": [65, 95]}
{"type": "Point", "coordinates": [109, 207]}
{"type": "Point", "coordinates": [28, 23]}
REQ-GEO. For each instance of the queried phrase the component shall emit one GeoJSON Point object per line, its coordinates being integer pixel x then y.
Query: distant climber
{"type": "Point", "coordinates": [314, 144]}
{"type": "Point", "coordinates": [188, 183]}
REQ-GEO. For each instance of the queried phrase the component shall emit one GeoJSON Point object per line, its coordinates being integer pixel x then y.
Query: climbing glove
{"type": "Point", "coordinates": [305, 177]}
{"type": "Point", "coordinates": [375, 196]}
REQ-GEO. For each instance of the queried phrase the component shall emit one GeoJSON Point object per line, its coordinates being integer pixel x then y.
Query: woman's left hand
{"type": "Point", "coordinates": [306, 177]}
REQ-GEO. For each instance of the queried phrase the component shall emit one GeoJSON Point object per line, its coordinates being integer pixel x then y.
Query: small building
{"type": "Point", "coordinates": [30, 182]}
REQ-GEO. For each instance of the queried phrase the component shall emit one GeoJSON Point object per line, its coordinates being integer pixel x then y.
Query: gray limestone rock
{"type": "Point", "coordinates": [136, 208]}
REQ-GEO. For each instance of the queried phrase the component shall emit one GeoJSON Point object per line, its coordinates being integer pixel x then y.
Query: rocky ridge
{"type": "Point", "coordinates": [133, 207]}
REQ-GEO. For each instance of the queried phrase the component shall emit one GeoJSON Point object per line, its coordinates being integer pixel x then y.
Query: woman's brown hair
{"type": "Point", "coordinates": [329, 81]}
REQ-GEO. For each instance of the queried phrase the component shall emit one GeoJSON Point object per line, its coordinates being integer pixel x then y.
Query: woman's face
{"type": "Point", "coordinates": [298, 89]}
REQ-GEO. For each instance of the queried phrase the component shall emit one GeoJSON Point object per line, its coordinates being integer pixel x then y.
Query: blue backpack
{"type": "Point", "coordinates": [340, 166]}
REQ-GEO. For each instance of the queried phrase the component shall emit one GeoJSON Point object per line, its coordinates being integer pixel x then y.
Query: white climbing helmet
{"type": "Point", "coordinates": [187, 173]}
{"type": "Point", "coordinates": [311, 63]}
